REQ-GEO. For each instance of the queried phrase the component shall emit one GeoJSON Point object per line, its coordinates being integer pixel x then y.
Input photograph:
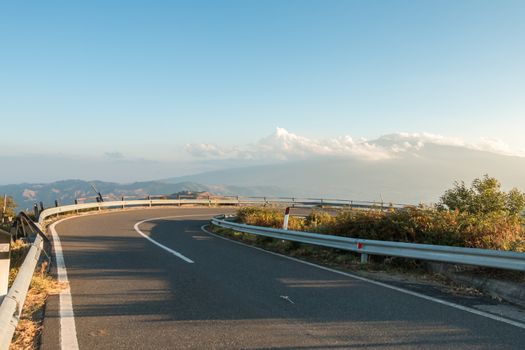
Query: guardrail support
{"type": "Point", "coordinates": [364, 256]}
{"type": "Point", "coordinates": [286, 218]}
{"type": "Point", "coordinates": [35, 210]}
{"type": "Point", "coordinates": [5, 251]}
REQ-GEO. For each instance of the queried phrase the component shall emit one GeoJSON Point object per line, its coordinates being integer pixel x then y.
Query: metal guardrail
{"type": "Point", "coordinates": [458, 255]}
{"type": "Point", "coordinates": [212, 201]}
{"type": "Point", "coordinates": [253, 199]}
{"type": "Point", "coordinates": [13, 302]}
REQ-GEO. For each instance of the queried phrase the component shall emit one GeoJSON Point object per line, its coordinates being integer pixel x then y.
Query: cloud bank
{"type": "Point", "coordinates": [284, 145]}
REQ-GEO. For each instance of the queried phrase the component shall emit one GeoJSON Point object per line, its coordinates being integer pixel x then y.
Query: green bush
{"type": "Point", "coordinates": [483, 197]}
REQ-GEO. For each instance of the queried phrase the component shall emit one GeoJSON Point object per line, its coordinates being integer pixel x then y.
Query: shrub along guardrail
{"type": "Point", "coordinates": [459, 255]}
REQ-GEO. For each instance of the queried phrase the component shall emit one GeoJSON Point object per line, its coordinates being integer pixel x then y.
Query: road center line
{"type": "Point", "coordinates": [174, 252]}
{"type": "Point", "coordinates": [381, 284]}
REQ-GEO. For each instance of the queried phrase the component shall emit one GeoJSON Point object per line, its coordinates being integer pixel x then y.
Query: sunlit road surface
{"type": "Point", "coordinates": [129, 291]}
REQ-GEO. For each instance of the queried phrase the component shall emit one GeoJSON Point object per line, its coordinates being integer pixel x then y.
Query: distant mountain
{"type": "Point", "coordinates": [394, 168]}
{"type": "Point", "coordinates": [419, 175]}
{"type": "Point", "coordinates": [25, 195]}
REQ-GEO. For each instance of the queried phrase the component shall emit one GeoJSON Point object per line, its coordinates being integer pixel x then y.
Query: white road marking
{"type": "Point", "coordinates": [68, 331]}
{"type": "Point", "coordinates": [381, 284]}
{"type": "Point", "coordinates": [287, 298]}
{"type": "Point", "coordinates": [177, 254]}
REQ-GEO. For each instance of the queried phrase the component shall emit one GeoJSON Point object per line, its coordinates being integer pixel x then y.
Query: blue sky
{"type": "Point", "coordinates": [145, 78]}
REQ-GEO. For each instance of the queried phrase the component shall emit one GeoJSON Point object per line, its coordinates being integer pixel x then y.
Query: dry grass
{"type": "Point", "coordinates": [29, 327]}
{"type": "Point", "coordinates": [494, 230]}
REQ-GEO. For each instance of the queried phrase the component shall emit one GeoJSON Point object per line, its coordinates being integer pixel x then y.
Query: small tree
{"type": "Point", "coordinates": [515, 201]}
{"type": "Point", "coordinates": [483, 197]}
{"type": "Point", "coordinates": [7, 207]}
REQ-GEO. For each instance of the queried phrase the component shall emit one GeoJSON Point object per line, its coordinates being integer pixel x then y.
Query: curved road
{"type": "Point", "coordinates": [131, 291]}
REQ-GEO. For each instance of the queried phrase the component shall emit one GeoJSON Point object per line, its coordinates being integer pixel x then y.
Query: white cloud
{"type": "Point", "coordinates": [407, 141]}
{"type": "Point", "coordinates": [496, 146]}
{"type": "Point", "coordinates": [283, 145]}
{"type": "Point", "coordinates": [206, 150]}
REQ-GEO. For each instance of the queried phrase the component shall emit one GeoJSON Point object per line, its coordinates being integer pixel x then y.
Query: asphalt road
{"type": "Point", "coordinates": [130, 293]}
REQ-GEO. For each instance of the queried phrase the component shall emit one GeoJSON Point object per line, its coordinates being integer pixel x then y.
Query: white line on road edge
{"type": "Point", "coordinates": [177, 254]}
{"type": "Point", "coordinates": [381, 284]}
{"type": "Point", "coordinates": [68, 331]}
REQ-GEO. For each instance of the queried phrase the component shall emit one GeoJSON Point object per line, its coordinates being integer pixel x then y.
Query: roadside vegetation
{"type": "Point", "coordinates": [479, 216]}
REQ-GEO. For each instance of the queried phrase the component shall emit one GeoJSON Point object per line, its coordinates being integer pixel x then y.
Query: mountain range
{"type": "Point", "coordinates": [398, 168]}
{"type": "Point", "coordinates": [66, 191]}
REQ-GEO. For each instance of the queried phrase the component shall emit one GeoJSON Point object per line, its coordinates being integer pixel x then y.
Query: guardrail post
{"type": "Point", "coordinates": [238, 201]}
{"type": "Point", "coordinates": [149, 199]}
{"type": "Point", "coordinates": [23, 228]}
{"type": "Point", "coordinates": [364, 256]}
{"type": "Point", "coordinates": [209, 201]}
{"type": "Point", "coordinates": [5, 246]}
{"type": "Point", "coordinates": [122, 202]}
{"type": "Point", "coordinates": [286, 217]}
{"type": "Point", "coordinates": [35, 210]}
